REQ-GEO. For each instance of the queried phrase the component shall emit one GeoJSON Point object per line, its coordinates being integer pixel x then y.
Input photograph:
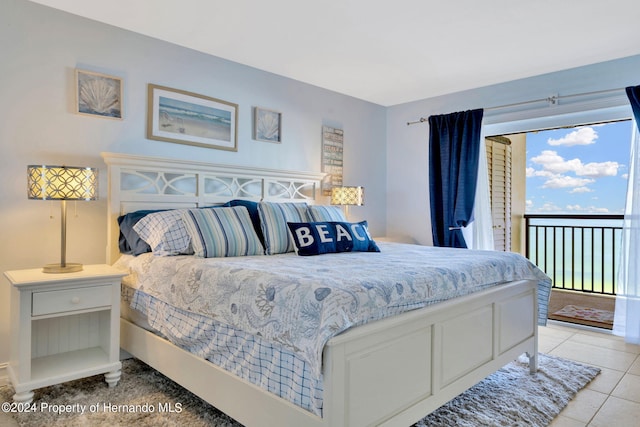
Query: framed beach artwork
{"type": "Point", "coordinates": [332, 160]}
{"type": "Point", "coordinates": [188, 118]}
{"type": "Point", "coordinates": [98, 95]}
{"type": "Point", "coordinates": [267, 125]}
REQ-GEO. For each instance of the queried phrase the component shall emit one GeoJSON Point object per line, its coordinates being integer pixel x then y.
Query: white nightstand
{"type": "Point", "coordinates": [63, 327]}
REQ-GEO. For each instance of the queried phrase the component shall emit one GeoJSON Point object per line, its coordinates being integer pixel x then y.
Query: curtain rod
{"type": "Point", "coordinates": [552, 100]}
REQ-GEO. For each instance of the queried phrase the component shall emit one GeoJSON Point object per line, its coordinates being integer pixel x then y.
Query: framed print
{"type": "Point", "coordinates": [267, 125]}
{"type": "Point", "coordinates": [188, 118]}
{"type": "Point", "coordinates": [332, 161]}
{"type": "Point", "coordinates": [98, 95]}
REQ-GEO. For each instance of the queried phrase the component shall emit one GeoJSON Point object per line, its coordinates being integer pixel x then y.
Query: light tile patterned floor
{"type": "Point", "coordinates": [611, 399]}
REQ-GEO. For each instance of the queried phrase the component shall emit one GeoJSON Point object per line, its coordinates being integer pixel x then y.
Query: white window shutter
{"type": "Point", "coordinates": [499, 165]}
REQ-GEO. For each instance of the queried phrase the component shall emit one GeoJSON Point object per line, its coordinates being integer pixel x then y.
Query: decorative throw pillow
{"type": "Point", "coordinates": [320, 213]}
{"type": "Point", "coordinates": [129, 240]}
{"type": "Point", "coordinates": [274, 218]}
{"type": "Point", "coordinates": [222, 232]}
{"type": "Point", "coordinates": [316, 238]}
{"type": "Point", "coordinates": [165, 233]}
{"type": "Point", "coordinates": [252, 207]}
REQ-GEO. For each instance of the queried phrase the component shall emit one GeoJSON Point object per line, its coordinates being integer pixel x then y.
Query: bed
{"type": "Point", "coordinates": [390, 368]}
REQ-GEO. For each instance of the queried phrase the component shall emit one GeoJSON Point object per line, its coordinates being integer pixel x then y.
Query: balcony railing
{"type": "Point", "coordinates": [578, 252]}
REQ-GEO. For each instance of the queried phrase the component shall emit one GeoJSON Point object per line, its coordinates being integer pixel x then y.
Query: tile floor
{"type": "Point", "coordinates": [611, 399]}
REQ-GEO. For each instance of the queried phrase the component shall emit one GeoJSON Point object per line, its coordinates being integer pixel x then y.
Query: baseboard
{"type": "Point", "coordinates": [4, 376]}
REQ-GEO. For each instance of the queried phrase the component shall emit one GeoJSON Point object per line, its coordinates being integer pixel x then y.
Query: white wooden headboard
{"type": "Point", "coordinates": [139, 182]}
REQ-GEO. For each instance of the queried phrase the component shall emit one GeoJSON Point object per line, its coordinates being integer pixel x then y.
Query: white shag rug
{"type": "Point", "coordinates": [509, 397]}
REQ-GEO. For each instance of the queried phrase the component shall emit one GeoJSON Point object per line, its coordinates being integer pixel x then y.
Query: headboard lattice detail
{"type": "Point", "coordinates": [139, 182]}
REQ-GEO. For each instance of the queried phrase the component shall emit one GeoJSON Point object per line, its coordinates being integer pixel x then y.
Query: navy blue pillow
{"type": "Point", "coordinates": [316, 238]}
{"type": "Point", "coordinates": [129, 241]}
{"type": "Point", "coordinates": [252, 207]}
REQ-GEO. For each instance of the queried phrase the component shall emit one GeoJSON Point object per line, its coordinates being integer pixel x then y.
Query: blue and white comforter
{"type": "Point", "coordinates": [301, 302]}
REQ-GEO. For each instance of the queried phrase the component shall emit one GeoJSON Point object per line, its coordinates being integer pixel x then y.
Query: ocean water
{"type": "Point", "coordinates": [577, 254]}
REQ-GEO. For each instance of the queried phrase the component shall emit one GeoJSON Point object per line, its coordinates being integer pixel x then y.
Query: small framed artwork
{"type": "Point", "coordinates": [332, 158]}
{"type": "Point", "coordinates": [188, 118]}
{"type": "Point", "coordinates": [98, 95]}
{"type": "Point", "coordinates": [267, 125]}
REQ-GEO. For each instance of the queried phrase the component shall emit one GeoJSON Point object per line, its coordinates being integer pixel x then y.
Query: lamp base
{"type": "Point", "coordinates": [57, 268]}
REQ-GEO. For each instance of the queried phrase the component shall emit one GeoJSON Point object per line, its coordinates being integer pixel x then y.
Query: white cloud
{"type": "Point", "coordinates": [549, 207]}
{"type": "Point", "coordinates": [553, 208]}
{"type": "Point", "coordinates": [531, 172]}
{"type": "Point", "coordinates": [581, 190]}
{"type": "Point", "coordinates": [599, 169]}
{"type": "Point", "coordinates": [588, 209]}
{"type": "Point", "coordinates": [551, 161]}
{"type": "Point", "coordinates": [581, 136]}
{"type": "Point", "coordinates": [547, 157]}
{"type": "Point", "coordinates": [625, 176]}
{"type": "Point", "coordinates": [563, 181]}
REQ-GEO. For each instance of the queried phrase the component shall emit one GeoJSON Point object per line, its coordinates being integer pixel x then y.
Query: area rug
{"type": "Point", "coordinates": [585, 315]}
{"type": "Point", "coordinates": [509, 397]}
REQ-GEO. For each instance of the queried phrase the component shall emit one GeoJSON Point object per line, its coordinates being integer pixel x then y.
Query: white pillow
{"type": "Point", "coordinates": [165, 233]}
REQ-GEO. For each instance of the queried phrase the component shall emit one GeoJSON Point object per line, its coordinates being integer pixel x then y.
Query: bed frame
{"type": "Point", "coordinates": [391, 372]}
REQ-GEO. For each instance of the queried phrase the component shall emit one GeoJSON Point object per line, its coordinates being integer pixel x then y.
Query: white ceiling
{"type": "Point", "coordinates": [387, 52]}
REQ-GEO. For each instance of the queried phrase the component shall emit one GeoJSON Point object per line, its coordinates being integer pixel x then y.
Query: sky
{"type": "Point", "coordinates": [581, 170]}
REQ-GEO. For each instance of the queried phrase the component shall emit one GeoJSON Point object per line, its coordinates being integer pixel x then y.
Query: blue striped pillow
{"type": "Point", "coordinates": [321, 213]}
{"type": "Point", "coordinates": [222, 232]}
{"type": "Point", "coordinates": [274, 218]}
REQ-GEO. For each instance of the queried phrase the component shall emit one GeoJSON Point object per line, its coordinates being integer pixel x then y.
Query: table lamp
{"type": "Point", "coordinates": [347, 196]}
{"type": "Point", "coordinates": [62, 183]}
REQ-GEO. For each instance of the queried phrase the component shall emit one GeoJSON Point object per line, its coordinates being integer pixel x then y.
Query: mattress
{"type": "Point", "coordinates": [301, 302]}
{"type": "Point", "coordinates": [264, 364]}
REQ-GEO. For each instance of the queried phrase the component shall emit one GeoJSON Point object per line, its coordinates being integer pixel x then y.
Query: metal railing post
{"type": "Point", "coordinates": [537, 245]}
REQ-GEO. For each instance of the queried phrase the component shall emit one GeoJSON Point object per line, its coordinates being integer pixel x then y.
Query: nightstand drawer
{"type": "Point", "coordinates": [50, 302]}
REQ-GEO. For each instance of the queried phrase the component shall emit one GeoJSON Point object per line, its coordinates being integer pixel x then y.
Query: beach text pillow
{"type": "Point", "coordinates": [316, 238]}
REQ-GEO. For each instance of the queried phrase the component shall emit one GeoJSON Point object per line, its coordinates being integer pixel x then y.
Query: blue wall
{"type": "Point", "coordinates": [41, 47]}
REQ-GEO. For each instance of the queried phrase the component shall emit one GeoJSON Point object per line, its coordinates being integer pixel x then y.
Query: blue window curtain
{"type": "Point", "coordinates": [633, 93]}
{"type": "Point", "coordinates": [454, 148]}
{"type": "Point", "coordinates": [627, 313]}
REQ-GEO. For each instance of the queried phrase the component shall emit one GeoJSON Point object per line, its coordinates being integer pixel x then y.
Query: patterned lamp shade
{"type": "Point", "coordinates": [353, 196]}
{"type": "Point", "coordinates": [62, 183]}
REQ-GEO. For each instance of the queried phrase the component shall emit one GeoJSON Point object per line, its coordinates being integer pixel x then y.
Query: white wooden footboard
{"type": "Point", "coordinates": [391, 372]}
{"type": "Point", "coordinates": [396, 371]}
